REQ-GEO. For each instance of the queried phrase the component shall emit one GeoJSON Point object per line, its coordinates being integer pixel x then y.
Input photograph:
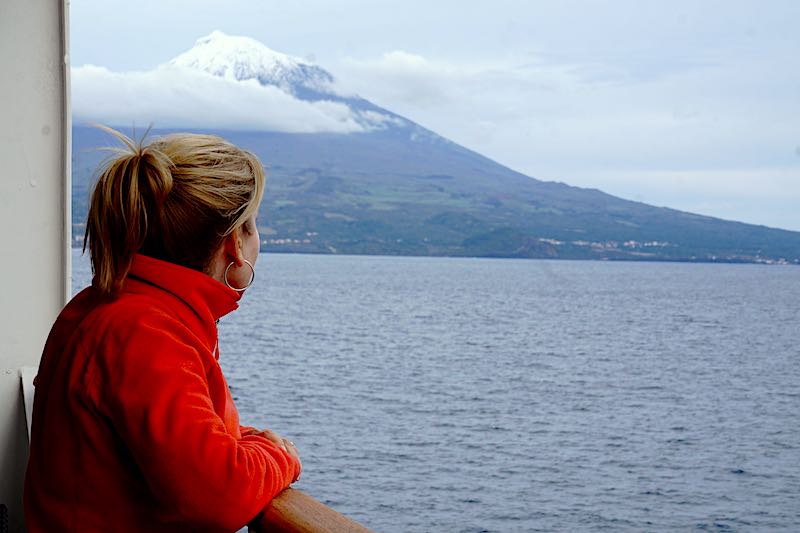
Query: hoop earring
{"type": "Point", "coordinates": [252, 276]}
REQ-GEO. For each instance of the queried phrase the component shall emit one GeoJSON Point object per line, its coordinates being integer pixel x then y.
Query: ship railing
{"type": "Point", "coordinates": [293, 511]}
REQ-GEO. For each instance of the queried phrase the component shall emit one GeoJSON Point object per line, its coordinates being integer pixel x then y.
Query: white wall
{"type": "Point", "coordinates": [34, 210]}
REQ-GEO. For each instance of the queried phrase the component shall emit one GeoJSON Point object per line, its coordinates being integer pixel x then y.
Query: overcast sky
{"type": "Point", "coordinates": [688, 104]}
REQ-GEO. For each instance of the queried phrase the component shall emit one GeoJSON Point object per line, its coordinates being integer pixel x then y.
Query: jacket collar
{"type": "Point", "coordinates": [207, 297]}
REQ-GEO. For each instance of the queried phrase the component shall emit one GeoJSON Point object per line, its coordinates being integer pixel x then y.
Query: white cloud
{"type": "Point", "coordinates": [415, 82]}
{"type": "Point", "coordinates": [172, 97]}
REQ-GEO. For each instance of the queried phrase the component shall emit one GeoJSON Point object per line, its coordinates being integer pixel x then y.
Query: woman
{"type": "Point", "coordinates": [134, 428]}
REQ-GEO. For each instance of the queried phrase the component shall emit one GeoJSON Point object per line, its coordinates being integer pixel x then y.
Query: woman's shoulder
{"type": "Point", "coordinates": [127, 343]}
{"type": "Point", "coordinates": [130, 314]}
{"type": "Point", "coordinates": [135, 328]}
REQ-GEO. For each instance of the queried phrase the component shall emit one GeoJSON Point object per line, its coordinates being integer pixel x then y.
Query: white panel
{"type": "Point", "coordinates": [26, 375]}
{"type": "Point", "coordinates": [34, 210]}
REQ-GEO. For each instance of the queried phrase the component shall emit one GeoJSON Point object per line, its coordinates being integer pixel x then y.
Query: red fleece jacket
{"type": "Point", "coordinates": [134, 428]}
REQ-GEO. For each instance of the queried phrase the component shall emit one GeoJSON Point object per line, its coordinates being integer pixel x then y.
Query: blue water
{"type": "Point", "coordinates": [468, 395]}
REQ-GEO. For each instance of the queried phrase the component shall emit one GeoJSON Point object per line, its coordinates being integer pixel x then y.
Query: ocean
{"type": "Point", "coordinates": [478, 395]}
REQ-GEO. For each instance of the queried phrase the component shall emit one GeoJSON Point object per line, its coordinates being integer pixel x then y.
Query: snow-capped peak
{"type": "Point", "coordinates": [243, 58]}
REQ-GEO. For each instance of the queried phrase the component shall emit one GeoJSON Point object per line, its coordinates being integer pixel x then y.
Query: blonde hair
{"type": "Point", "coordinates": [174, 199]}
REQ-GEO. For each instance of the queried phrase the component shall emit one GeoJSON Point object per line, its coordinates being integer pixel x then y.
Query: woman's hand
{"type": "Point", "coordinates": [285, 445]}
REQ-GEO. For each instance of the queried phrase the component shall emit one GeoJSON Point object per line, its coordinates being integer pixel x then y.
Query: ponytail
{"type": "Point", "coordinates": [173, 199]}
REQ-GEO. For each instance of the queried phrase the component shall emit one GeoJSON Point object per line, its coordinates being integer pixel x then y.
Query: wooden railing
{"type": "Point", "coordinates": [293, 511]}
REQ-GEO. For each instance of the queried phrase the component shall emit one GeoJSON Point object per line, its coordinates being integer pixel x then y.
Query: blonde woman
{"type": "Point", "coordinates": [134, 428]}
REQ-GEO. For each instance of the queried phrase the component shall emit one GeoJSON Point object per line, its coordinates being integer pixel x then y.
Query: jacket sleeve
{"type": "Point", "coordinates": [154, 388]}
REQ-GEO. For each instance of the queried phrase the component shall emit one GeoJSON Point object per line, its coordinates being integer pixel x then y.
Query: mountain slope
{"type": "Point", "coordinates": [398, 188]}
{"type": "Point", "coordinates": [373, 193]}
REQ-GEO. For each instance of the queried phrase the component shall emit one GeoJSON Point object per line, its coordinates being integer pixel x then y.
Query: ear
{"type": "Point", "coordinates": [232, 247]}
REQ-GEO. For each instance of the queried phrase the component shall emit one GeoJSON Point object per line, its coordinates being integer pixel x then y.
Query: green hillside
{"type": "Point", "coordinates": [398, 194]}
